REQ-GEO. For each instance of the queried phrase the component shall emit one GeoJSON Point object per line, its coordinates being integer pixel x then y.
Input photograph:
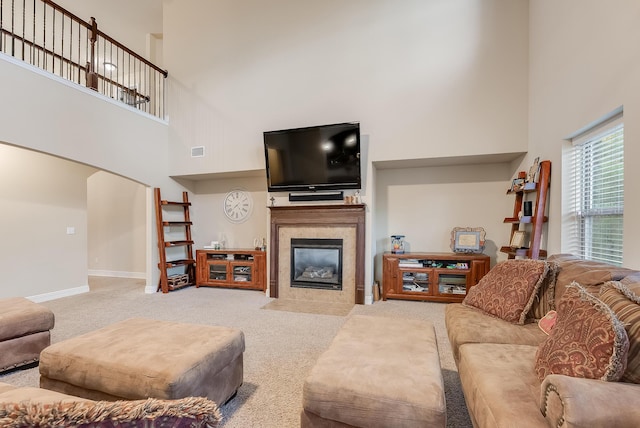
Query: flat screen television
{"type": "Point", "coordinates": [314, 158]}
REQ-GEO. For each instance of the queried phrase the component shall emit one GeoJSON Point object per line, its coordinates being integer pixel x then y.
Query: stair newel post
{"type": "Point", "coordinates": [92, 76]}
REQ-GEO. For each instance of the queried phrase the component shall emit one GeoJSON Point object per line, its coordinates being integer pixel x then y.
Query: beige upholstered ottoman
{"type": "Point", "coordinates": [140, 358]}
{"type": "Point", "coordinates": [377, 372]}
{"type": "Point", "coordinates": [24, 331]}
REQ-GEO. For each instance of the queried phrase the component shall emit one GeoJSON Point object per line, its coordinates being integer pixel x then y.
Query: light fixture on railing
{"type": "Point", "coordinates": [109, 66]}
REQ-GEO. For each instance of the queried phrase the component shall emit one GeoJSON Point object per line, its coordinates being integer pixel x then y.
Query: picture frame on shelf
{"type": "Point", "coordinates": [534, 173]}
{"type": "Point", "coordinates": [468, 239]}
{"type": "Point", "coordinates": [517, 184]}
{"type": "Point", "coordinates": [518, 239]}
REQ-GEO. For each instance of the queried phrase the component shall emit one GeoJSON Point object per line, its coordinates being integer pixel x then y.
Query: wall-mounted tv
{"type": "Point", "coordinates": [314, 158]}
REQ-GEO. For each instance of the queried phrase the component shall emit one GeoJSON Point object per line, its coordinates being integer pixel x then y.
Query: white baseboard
{"type": "Point", "coordinates": [39, 298]}
{"type": "Point", "coordinates": [117, 274]}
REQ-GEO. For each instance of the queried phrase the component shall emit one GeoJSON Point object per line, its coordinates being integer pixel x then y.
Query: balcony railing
{"type": "Point", "coordinates": [49, 37]}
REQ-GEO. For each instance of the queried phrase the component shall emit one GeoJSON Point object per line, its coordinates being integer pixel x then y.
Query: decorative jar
{"type": "Point", "coordinates": [397, 244]}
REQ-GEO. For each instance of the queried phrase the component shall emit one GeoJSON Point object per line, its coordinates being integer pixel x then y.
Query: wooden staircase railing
{"type": "Point", "coordinates": [47, 36]}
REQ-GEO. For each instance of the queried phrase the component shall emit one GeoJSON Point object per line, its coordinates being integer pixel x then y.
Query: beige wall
{"type": "Point", "coordinates": [425, 204]}
{"type": "Point", "coordinates": [426, 79]}
{"type": "Point", "coordinates": [210, 222]}
{"type": "Point", "coordinates": [51, 116]}
{"type": "Point", "coordinates": [75, 123]}
{"type": "Point", "coordinates": [585, 64]}
{"type": "Point", "coordinates": [41, 197]}
{"type": "Point", "coordinates": [116, 227]}
{"type": "Point", "coordinates": [44, 196]}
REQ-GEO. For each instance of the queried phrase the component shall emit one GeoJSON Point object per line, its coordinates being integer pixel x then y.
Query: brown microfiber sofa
{"type": "Point", "coordinates": [496, 363]}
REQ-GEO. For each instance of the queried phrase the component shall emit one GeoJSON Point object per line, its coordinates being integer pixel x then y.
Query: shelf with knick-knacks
{"type": "Point", "coordinates": [528, 218]}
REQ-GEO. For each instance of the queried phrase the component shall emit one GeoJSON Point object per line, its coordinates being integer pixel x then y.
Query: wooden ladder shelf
{"type": "Point", "coordinates": [534, 223]}
{"type": "Point", "coordinates": [169, 282]}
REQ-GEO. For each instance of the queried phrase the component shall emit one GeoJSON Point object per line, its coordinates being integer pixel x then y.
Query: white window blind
{"type": "Point", "coordinates": [596, 194]}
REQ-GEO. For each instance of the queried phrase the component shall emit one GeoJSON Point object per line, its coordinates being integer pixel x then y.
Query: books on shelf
{"type": "Point", "coordinates": [411, 263]}
{"type": "Point", "coordinates": [453, 289]}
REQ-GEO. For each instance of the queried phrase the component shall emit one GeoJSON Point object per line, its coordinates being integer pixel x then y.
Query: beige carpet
{"type": "Point", "coordinates": [307, 307]}
{"type": "Point", "coordinates": [281, 346]}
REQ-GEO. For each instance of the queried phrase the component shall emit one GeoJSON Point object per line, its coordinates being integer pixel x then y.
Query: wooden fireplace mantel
{"type": "Point", "coordinates": [347, 215]}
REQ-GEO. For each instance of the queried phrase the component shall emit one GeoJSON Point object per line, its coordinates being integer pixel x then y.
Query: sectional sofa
{"type": "Point", "coordinates": [582, 372]}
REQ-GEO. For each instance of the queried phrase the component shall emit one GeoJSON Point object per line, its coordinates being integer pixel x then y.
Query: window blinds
{"type": "Point", "coordinates": [595, 196]}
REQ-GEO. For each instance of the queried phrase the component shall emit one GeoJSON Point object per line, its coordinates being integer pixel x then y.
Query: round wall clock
{"type": "Point", "coordinates": [238, 205]}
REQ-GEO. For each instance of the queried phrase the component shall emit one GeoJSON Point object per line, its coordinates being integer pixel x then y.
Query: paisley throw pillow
{"type": "Point", "coordinates": [587, 340]}
{"type": "Point", "coordinates": [509, 289]}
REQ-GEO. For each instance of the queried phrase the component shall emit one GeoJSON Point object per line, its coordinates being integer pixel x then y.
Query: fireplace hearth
{"type": "Point", "coordinates": [316, 263]}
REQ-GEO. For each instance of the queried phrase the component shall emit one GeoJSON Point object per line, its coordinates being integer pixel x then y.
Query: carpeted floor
{"type": "Point", "coordinates": [281, 345]}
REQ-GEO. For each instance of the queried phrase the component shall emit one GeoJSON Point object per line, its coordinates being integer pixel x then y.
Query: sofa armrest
{"type": "Point", "coordinates": [571, 402]}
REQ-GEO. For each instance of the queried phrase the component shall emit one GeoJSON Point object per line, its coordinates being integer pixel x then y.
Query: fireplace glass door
{"type": "Point", "coordinates": [316, 263]}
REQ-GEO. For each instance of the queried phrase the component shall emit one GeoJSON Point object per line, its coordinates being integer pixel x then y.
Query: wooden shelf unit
{"type": "Point", "coordinates": [532, 225]}
{"type": "Point", "coordinates": [439, 277]}
{"type": "Point", "coordinates": [231, 268]}
{"type": "Point", "coordinates": [186, 261]}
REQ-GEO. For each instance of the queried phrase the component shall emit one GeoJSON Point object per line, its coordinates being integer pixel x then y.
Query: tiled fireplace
{"type": "Point", "coordinates": [329, 239]}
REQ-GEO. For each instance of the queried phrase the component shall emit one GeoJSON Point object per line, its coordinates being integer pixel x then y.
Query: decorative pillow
{"type": "Point", "coordinates": [190, 411]}
{"type": "Point", "coordinates": [508, 290]}
{"type": "Point", "coordinates": [547, 322]}
{"type": "Point", "coordinates": [624, 301]}
{"type": "Point", "coordinates": [545, 297]}
{"type": "Point", "coordinates": [587, 340]}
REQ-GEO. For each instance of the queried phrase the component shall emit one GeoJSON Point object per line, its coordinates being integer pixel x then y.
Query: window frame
{"type": "Point", "coordinates": [580, 215]}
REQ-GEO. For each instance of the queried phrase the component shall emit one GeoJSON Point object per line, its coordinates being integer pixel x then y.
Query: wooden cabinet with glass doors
{"type": "Point", "coordinates": [233, 268]}
{"type": "Point", "coordinates": [439, 277]}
